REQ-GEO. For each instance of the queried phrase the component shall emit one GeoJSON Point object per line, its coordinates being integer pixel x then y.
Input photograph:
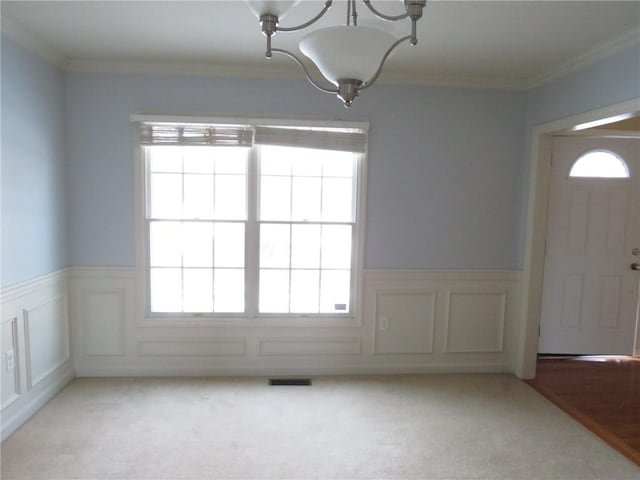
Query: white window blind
{"type": "Point", "coordinates": [168, 133]}
{"type": "Point", "coordinates": [324, 139]}
{"type": "Point", "coordinates": [195, 134]}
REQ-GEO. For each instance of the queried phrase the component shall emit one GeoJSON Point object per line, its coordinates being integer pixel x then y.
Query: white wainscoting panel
{"type": "Point", "coordinates": [443, 320]}
{"type": "Point", "coordinates": [193, 348]}
{"type": "Point", "coordinates": [46, 338]}
{"type": "Point", "coordinates": [475, 322]}
{"type": "Point", "coordinates": [404, 325]}
{"type": "Point", "coordinates": [104, 316]}
{"type": "Point", "coordinates": [405, 322]}
{"type": "Point", "coordinates": [35, 351]}
{"type": "Point", "coordinates": [309, 346]}
{"type": "Point", "coordinates": [10, 362]}
{"type": "Point", "coordinates": [102, 319]}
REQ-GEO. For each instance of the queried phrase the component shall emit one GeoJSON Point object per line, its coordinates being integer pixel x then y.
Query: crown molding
{"type": "Point", "coordinates": [32, 43]}
{"type": "Point", "coordinates": [460, 81]}
{"type": "Point", "coordinates": [283, 73]}
{"type": "Point", "coordinates": [181, 68]}
{"type": "Point", "coordinates": [626, 39]}
{"type": "Point", "coordinates": [36, 45]}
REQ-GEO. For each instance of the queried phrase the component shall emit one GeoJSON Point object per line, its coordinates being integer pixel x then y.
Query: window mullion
{"type": "Point", "coordinates": [321, 236]}
{"type": "Point", "coordinates": [213, 239]}
{"type": "Point", "coordinates": [252, 234]}
{"type": "Point", "coordinates": [320, 269]}
{"type": "Point", "coordinates": [182, 233]}
{"type": "Point", "coordinates": [147, 183]}
{"type": "Point", "coordinates": [290, 232]}
{"type": "Point", "coordinates": [357, 197]}
{"type": "Point", "coordinates": [147, 232]}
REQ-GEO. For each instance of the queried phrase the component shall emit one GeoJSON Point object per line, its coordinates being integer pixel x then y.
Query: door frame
{"type": "Point", "coordinates": [536, 228]}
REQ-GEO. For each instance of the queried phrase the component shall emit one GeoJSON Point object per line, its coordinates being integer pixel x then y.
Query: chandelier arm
{"type": "Point", "coordinates": [304, 69]}
{"type": "Point", "coordinates": [378, 14]}
{"type": "Point", "coordinates": [327, 4]}
{"type": "Point", "coordinates": [354, 14]}
{"type": "Point", "coordinates": [369, 82]}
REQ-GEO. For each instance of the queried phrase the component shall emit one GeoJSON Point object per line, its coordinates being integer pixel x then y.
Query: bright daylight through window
{"type": "Point", "coordinates": [251, 220]}
{"type": "Point", "coordinates": [599, 164]}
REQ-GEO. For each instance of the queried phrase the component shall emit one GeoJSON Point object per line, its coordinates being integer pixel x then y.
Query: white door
{"type": "Point", "coordinates": [590, 294]}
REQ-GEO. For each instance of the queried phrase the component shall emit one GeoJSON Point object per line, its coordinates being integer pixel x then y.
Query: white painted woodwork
{"type": "Point", "coordinates": [414, 303]}
{"type": "Point", "coordinates": [110, 334]}
{"type": "Point", "coordinates": [405, 322]}
{"type": "Point", "coordinates": [193, 348]}
{"type": "Point", "coordinates": [309, 346]}
{"type": "Point", "coordinates": [47, 338]}
{"type": "Point", "coordinates": [571, 300]}
{"type": "Point", "coordinates": [35, 327]}
{"type": "Point", "coordinates": [10, 373]}
{"type": "Point", "coordinates": [590, 293]}
{"type": "Point", "coordinates": [539, 168]}
{"type": "Point", "coordinates": [103, 314]}
{"type": "Point", "coordinates": [475, 322]}
{"type": "Point", "coordinates": [610, 286]}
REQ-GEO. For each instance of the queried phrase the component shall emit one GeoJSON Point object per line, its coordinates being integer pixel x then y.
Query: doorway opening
{"type": "Point", "coordinates": [589, 290]}
{"type": "Point", "coordinates": [538, 203]}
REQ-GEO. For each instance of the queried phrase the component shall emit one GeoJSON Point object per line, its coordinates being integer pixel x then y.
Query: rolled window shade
{"type": "Point", "coordinates": [323, 139]}
{"type": "Point", "coordinates": [196, 134]}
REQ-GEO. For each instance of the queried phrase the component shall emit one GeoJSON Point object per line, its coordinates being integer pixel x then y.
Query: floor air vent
{"type": "Point", "coordinates": [296, 382]}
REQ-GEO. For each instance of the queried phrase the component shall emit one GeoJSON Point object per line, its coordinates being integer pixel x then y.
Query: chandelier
{"type": "Point", "coordinates": [349, 56]}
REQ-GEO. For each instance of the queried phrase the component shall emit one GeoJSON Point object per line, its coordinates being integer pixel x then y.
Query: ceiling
{"type": "Point", "coordinates": [512, 44]}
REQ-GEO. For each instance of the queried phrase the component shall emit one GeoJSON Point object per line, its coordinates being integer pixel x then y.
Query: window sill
{"type": "Point", "coordinates": [262, 321]}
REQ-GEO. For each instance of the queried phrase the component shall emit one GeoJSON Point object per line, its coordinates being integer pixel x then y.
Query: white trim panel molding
{"type": "Point", "coordinates": [34, 347]}
{"type": "Point", "coordinates": [413, 321]}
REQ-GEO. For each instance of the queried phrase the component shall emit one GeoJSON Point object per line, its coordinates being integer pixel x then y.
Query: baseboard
{"type": "Point", "coordinates": [372, 369]}
{"type": "Point", "coordinates": [26, 406]}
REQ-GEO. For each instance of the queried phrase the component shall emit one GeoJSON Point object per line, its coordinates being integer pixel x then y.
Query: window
{"type": "Point", "coordinates": [251, 220]}
{"type": "Point", "coordinates": [599, 164]}
{"type": "Point", "coordinates": [196, 216]}
{"type": "Point", "coordinates": [306, 223]}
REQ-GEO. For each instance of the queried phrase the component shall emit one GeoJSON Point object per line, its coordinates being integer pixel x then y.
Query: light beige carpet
{"type": "Point", "coordinates": [396, 427]}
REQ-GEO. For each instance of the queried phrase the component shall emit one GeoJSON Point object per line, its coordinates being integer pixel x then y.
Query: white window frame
{"type": "Point", "coordinates": [251, 317]}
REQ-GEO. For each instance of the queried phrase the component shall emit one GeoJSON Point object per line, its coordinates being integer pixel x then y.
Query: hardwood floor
{"type": "Point", "coordinates": [603, 393]}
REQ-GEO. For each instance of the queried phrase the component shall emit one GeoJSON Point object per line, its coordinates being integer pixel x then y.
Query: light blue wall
{"type": "Point", "coordinates": [614, 79]}
{"type": "Point", "coordinates": [447, 167]}
{"type": "Point", "coordinates": [34, 229]}
{"type": "Point", "coordinates": [444, 163]}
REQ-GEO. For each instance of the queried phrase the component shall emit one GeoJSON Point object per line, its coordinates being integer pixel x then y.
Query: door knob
{"type": "Point", "coordinates": [635, 266]}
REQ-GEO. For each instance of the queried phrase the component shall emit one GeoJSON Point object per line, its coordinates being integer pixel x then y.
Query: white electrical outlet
{"type": "Point", "coordinates": [384, 323]}
{"type": "Point", "coordinates": [10, 360]}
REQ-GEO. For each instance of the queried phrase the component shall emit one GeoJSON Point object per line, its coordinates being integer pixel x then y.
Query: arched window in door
{"type": "Point", "coordinates": [599, 164]}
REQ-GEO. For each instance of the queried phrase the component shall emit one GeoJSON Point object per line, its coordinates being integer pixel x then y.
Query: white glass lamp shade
{"type": "Point", "coordinates": [274, 7]}
{"type": "Point", "coordinates": [347, 52]}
